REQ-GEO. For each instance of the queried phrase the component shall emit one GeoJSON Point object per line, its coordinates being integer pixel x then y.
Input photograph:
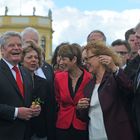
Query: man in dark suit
{"type": "Point", "coordinates": [15, 108]}
{"type": "Point", "coordinates": [122, 48]}
{"type": "Point", "coordinates": [136, 103]}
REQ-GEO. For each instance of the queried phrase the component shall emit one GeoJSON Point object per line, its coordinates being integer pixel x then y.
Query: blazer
{"type": "Point", "coordinates": [44, 124]}
{"type": "Point", "coordinates": [48, 72]}
{"type": "Point", "coordinates": [115, 94]}
{"type": "Point", "coordinates": [10, 97]}
{"type": "Point", "coordinates": [132, 67]}
{"type": "Point", "coordinates": [136, 102]}
{"type": "Point", "coordinates": [66, 115]}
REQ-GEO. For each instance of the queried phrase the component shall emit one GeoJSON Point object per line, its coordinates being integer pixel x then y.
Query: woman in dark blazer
{"type": "Point", "coordinates": [106, 105]}
{"type": "Point", "coordinates": [69, 86]}
{"type": "Point", "coordinates": [43, 126]}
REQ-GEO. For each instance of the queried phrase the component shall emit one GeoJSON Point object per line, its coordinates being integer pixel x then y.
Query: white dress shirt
{"type": "Point", "coordinates": [39, 72]}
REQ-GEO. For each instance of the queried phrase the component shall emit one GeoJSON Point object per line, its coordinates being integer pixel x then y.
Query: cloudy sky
{"type": "Point", "coordinates": [73, 20]}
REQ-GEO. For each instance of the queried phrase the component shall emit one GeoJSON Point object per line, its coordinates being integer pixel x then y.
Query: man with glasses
{"type": "Point", "coordinates": [123, 49]}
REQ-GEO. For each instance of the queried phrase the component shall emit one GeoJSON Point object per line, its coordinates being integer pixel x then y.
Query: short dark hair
{"type": "Point", "coordinates": [55, 54]}
{"type": "Point", "coordinates": [96, 31]}
{"type": "Point", "coordinates": [128, 33]}
{"type": "Point", "coordinates": [121, 42]}
{"type": "Point", "coordinates": [71, 51]}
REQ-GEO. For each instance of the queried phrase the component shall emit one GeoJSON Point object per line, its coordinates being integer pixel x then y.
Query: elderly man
{"type": "Point", "coordinates": [15, 95]}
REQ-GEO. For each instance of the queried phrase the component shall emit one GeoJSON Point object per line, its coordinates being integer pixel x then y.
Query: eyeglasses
{"type": "Point", "coordinates": [88, 58]}
{"type": "Point", "coordinates": [122, 53]}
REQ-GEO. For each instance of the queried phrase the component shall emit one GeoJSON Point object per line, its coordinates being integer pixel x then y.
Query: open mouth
{"type": "Point", "coordinates": [16, 53]}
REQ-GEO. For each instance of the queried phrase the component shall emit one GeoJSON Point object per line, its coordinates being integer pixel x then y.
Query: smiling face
{"type": "Point", "coordinates": [92, 62]}
{"type": "Point", "coordinates": [12, 50]}
{"type": "Point", "coordinates": [66, 63]}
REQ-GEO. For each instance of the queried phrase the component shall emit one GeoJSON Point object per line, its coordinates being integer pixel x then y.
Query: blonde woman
{"type": "Point", "coordinates": [107, 96]}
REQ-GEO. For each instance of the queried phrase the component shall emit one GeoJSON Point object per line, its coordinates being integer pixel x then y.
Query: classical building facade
{"type": "Point", "coordinates": [42, 23]}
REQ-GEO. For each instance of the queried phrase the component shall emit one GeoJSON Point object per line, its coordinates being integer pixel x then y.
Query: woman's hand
{"type": "Point", "coordinates": [108, 62]}
{"type": "Point", "coordinates": [83, 103]}
{"type": "Point", "coordinates": [36, 109]}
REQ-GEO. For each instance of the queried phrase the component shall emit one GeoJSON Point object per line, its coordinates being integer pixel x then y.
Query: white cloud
{"type": "Point", "coordinates": [73, 25]}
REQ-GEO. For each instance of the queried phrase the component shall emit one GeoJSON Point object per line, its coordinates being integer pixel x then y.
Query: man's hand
{"type": "Point", "coordinates": [25, 113]}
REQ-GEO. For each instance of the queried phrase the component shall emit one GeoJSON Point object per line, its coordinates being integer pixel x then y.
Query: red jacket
{"type": "Point", "coordinates": [67, 106]}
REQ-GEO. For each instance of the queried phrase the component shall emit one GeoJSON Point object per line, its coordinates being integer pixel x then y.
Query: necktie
{"type": "Point", "coordinates": [18, 80]}
{"type": "Point", "coordinates": [138, 80]}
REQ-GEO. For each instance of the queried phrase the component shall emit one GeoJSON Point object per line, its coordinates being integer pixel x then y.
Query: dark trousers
{"type": "Point", "coordinates": [71, 134]}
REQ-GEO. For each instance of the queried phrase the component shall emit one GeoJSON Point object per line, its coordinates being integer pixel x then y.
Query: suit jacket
{"type": "Point", "coordinates": [115, 93]}
{"type": "Point", "coordinates": [136, 102]}
{"type": "Point", "coordinates": [132, 67]}
{"type": "Point", "coordinates": [10, 97]}
{"type": "Point", "coordinates": [48, 72]}
{"type": "Point", "coordinates": [44, 124]}
{"type": "Point", "coordinates": [67, 105]}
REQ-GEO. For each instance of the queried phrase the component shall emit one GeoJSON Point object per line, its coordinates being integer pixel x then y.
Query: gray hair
{"type": "Point", "coordinates": [7, 35]}
{"type": "Point", "coordinates": [29, 30]}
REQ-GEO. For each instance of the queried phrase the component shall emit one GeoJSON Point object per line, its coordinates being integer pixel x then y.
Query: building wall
{"type": "Point", "coordinates": [41, 23]}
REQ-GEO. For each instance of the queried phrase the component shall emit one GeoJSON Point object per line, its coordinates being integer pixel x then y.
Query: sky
{"type": "Point", "coordinates": [73, 20]}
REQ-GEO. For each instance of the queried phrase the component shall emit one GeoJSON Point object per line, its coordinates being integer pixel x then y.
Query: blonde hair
{"type": "Point", "coordinates": [100, 48]}
{"type": "Point", "coordinates": [29, 46]}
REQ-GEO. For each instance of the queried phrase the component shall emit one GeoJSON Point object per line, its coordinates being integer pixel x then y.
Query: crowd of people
{"type": "Point", "coordinates": [89, 92]}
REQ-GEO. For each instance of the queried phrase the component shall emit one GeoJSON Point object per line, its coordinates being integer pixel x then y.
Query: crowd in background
{"type": "Point", "coordinates": [89, 92]}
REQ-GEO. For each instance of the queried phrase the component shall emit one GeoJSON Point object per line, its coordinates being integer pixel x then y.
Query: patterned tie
{"type": "Point", "coordinates": [18, 80]}
{"type": "Point", "coordinates": [138, 80]}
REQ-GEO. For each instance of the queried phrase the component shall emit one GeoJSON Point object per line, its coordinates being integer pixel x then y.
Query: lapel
{"type": "Point", "coordinates": [86, 78]}
{"type": "Point", "coordinates": [38, 81]}
{"type": "Point", "coordinates": [45, 69]}
{"type": "Point", "coordinates": [66, 86]}
{"type": "Point", "coordinates": [64, 82]}
{"type": "Point", "coordinates": [104, 81]}
{"type": "Point", "coordinates": [88, 90]}
{"type": "Point", "coordinates": [10, 78]}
